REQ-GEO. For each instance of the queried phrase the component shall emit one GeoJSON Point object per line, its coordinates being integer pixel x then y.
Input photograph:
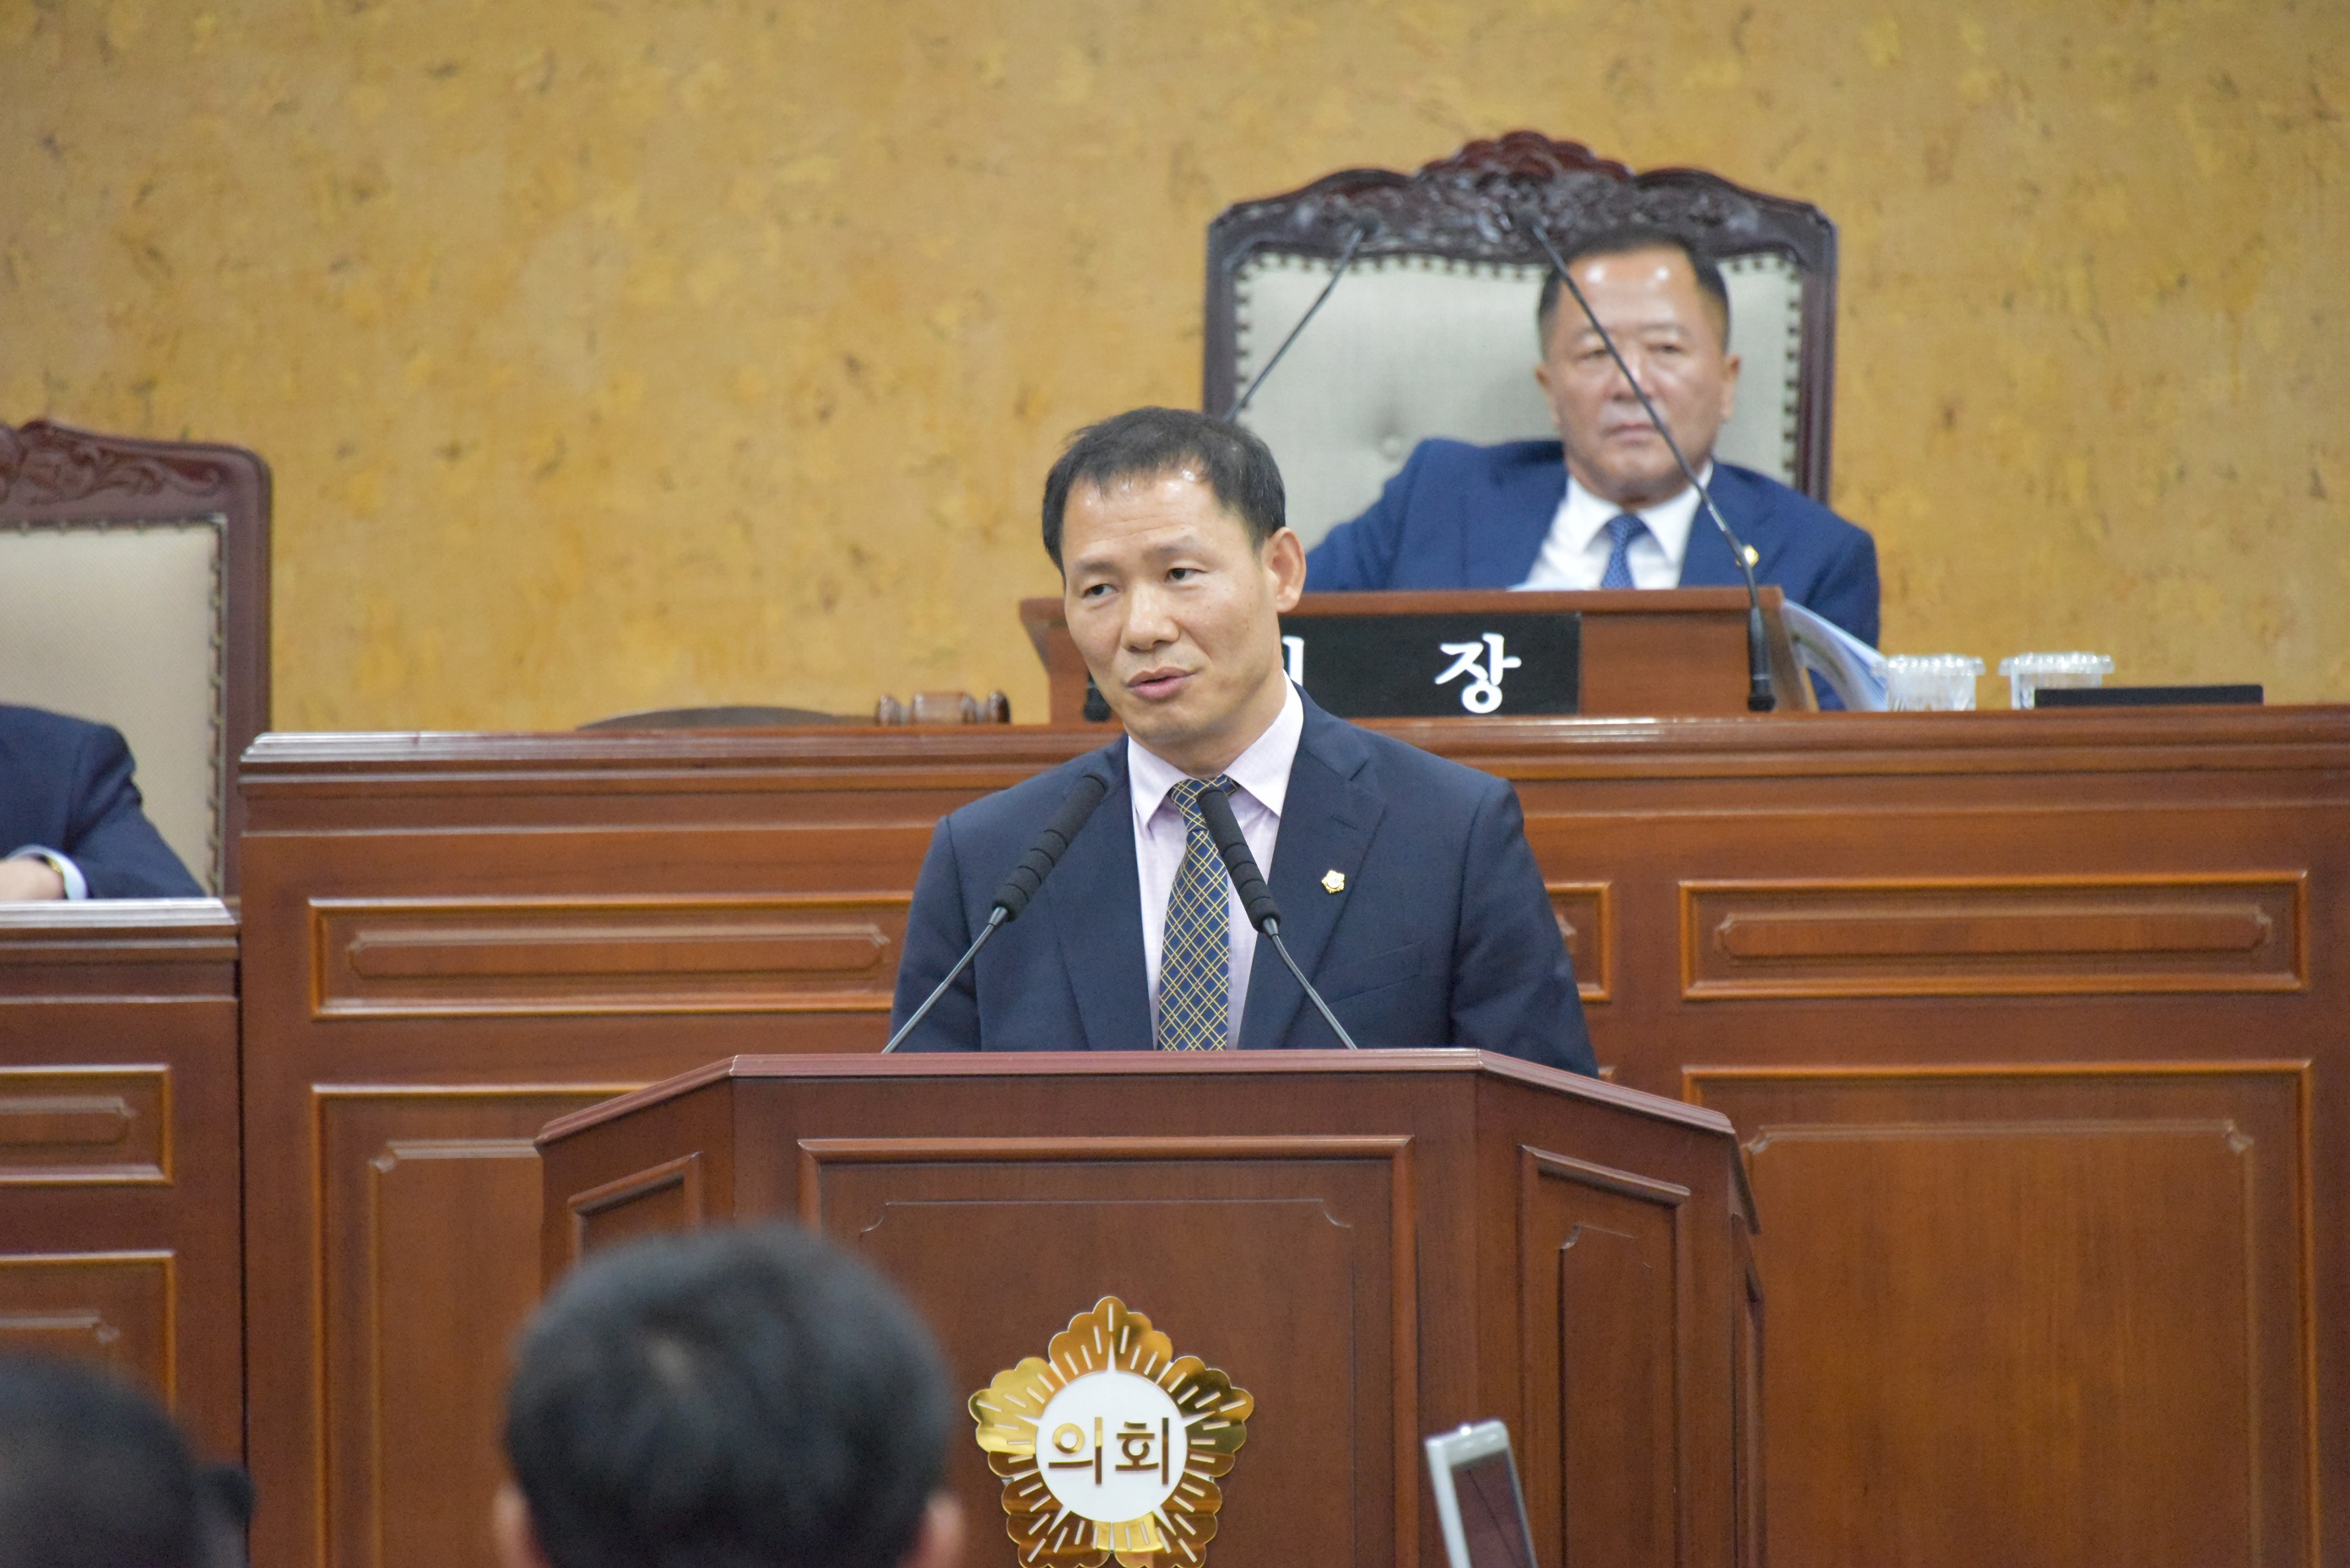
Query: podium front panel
{"type": "Point", "coordinates": [1285, 1262]}
{"type": "Point", "coordinates": [1325, 1229]}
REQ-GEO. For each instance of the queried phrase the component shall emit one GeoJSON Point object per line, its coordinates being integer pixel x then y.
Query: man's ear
{"type": "Point", "coordinates": [1284, 556]}
{"type": "Point", "coordinates": [516, 1537]}
{"type": "Point", "coordinates": [939, 1542]}
{"type": "Point", "coordinates": [1729, 365]}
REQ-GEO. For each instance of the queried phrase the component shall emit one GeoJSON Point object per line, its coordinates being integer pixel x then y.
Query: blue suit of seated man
{"type": "Point", "coordinates": [1605, 506]}
{"type": "Point", "coordinates": [70, 814]}
{"type": "Point", "coordinates": [1407, 888]}
{"type": "Point", "coordinates": [1462, 516]}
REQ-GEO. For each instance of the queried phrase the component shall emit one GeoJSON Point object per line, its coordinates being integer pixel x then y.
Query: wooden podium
{"type": "Point", "coordinates": [1374, 1245]}
{"type": "Point", "coordinates": [1654, 653]}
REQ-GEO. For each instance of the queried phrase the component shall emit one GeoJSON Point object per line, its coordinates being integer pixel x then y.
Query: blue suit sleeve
{"type": "Point", "coordinates": [937, 930]}
{"type": "Point", "coordinates": [1847, 592]}
{"type": "Point", "coordinates": [108, 837]}
{"type": "Point", "coordinates": [1513, 984]}
{"type": "Point", "coordinates": [1360, 556]}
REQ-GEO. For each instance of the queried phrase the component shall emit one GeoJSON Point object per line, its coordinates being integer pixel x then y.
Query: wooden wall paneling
{"type": "Point", "coordinates": [2036, 1315]}
{"type": "Point", "coordinates": [422, 957]}
{"type": "Point", "coordinates": [454, 939]}
{"type": "Point", "coordinates": [1750, 1361]}
{"type": "Point", "coordinates": [118, 1310]}
{"type": "Point", "coordinates": [1970, 936]}
{"type": "Point", "coordinates": [1581, 909]}
{"type": "Point", "coordinates": [77, 1126]}
{"type": "Point", "coordinates": [119, 1148]}
{"type": "Point", "coordinates": [665, 1195]}
{"type": "Point", "coordinates": [1591, 1239]}
{"type": "Point", "coordinates": [2150, 838]}
{"type": "Point", "coordinates": [427, 1232]}
{"type": "Point", "coordinates": [2194, 871]}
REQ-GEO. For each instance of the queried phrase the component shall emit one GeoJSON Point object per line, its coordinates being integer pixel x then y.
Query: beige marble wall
{"type": "Point", "coordinates": [635, 353]}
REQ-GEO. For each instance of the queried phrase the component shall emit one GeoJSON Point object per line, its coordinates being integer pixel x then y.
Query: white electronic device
{"type": "Point", "coordinates": [1477, 1498]}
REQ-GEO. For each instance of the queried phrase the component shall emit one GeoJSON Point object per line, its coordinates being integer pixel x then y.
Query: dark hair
{"type": "Point", "coordinates": [1144, 443]}
{"type": "Point", "coordinates": [93, 1474]}
{"type": "Point", "coordinates": [723, 1399]}
{"type": "Point", "coordinates": [1623, 240]}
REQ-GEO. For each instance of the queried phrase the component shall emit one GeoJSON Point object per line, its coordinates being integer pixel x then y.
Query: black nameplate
{"type": "Point", "coordinates": [2145, 696]}
{"type": "Point", "coordinates": [1437, 666]}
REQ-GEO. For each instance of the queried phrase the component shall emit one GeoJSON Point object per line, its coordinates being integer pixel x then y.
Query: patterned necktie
{"type": "Point", "coordinates": [1622, 529]}
{"type": "Point", "coordinates": [1195, 957]}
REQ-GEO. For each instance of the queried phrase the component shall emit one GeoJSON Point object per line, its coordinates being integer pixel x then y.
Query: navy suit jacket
{"type": "Point", "coordinates": [66, 786]}
{"type": "Point", "coordinates": [1442, 936]}
{"type": "Point", "coordinates": [1462, 517]}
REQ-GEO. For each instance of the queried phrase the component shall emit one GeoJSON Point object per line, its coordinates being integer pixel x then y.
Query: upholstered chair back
{"type": "Point", "coordinates": [134, 591]}
{"type": "Point", "coordinates": [1432, 331]}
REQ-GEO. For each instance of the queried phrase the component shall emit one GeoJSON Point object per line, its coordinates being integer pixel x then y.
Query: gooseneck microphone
{"type": "Point", "coordinates": [1256, 898]}
{"type": "Point", "coordinates": [1759, 698]}
{"type": "Point", "coordinates": [1011, 898]}
{"type": "Point", "coordinates": [1365, 227]}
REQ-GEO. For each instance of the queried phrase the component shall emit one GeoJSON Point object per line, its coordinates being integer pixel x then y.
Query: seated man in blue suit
{"type": "Point", "coordinates": [1604, 505]}
{"type": "Point", "coordinates": [1407, 888]}
{"type": "Point", "coordinates": [70, 822]}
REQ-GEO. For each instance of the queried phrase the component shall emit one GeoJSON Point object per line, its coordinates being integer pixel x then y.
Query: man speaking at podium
{"type": "Point", "coordinates": [1406, 891]}
{"type": "Point", "coordinates": [1605, 506]}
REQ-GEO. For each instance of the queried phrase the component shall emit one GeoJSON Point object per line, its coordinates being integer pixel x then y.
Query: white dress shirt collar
{"type": "Point", "coordinates": [1263, 769]}
{"type": "Point", "coordinates": [1575, 553]}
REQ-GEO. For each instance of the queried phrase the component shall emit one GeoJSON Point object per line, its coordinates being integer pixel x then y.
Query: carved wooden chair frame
{"type": "Point", "coordinates": [54, 477]}
{"type": "Point", "coordinates": [1470, 207]}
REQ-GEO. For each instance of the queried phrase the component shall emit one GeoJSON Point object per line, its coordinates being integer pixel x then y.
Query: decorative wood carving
{"type": "Point", "coordinates": [1479, 203]}
{"type": "Point", "coordinates": [44, 464]}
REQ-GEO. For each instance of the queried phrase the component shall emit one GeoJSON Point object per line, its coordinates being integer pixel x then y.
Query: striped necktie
{"type": "Point", "coordinates": [1195, 957]}
{"type": "Point", "coordinates": [1622, 529]}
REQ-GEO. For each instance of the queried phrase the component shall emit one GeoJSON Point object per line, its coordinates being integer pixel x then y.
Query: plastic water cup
{"type": "Point", "coordinates": [1932, 682]}
{"type": "Point", "coordinates": [2028, 672]}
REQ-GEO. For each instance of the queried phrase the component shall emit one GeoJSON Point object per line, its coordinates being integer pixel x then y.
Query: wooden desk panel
{"type": "Point", "coordinates": [118, 1236]}
{"type": "Point", "coordinates": [2100, 957]}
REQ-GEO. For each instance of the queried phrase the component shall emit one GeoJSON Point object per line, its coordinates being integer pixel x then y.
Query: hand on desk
{"type": "Point", "coordinates": [28, 879]}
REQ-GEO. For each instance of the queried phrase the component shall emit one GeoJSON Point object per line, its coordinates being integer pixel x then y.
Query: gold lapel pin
{"type": "Point", "coordinates": [1333, 881]}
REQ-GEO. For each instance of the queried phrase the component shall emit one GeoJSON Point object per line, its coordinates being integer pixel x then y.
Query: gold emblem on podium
{"type": "Point", "coordinates": [1111, 1445]}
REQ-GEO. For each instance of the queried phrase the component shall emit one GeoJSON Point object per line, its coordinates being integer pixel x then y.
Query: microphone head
{"type": "Point", "coordinates": [1224, 828]}
{"type": "Point", "coordinates": [1076, 809]}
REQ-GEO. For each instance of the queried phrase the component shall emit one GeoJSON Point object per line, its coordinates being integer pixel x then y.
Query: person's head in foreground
{"type": "Point", "coordinates": [1176, 564]}
{"type": "Point", "coordinates": [731, 1398]}
{"type": "Point", "coordinates": [93, 1474]}
{"type": "Point", "coordinates": [1666, 305]}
